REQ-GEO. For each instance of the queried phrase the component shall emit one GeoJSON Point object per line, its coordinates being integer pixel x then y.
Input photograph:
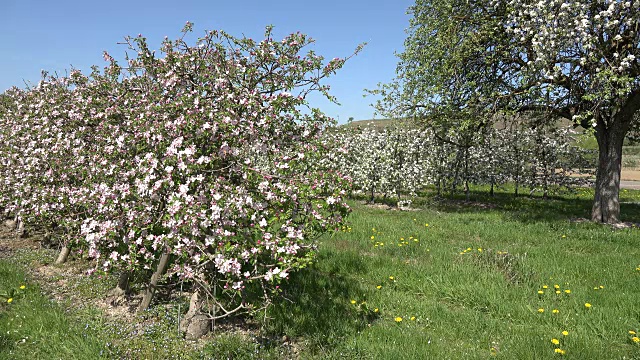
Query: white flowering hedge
{"type": "Point", "coordinates": [399, 161]}
{"type": "Point", "coordinates": [389, 161]}
{"type": "Point", "coordinates": [201, 157]}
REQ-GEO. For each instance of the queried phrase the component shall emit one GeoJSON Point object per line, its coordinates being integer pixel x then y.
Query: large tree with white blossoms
{"type": "Point", "coordinates": [573, 59]}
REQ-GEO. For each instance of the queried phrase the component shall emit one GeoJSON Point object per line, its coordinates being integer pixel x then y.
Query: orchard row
{"type": "Point", "coordinates": [400, 161]}
{"type": "Point", "coordinates": [197, 164]}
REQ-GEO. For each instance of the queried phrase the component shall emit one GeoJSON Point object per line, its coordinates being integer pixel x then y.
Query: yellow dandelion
{"type": "Point", "coordinates": [596, 288]}
{"type": "Point", "coordinates": [353, 301]}
{"type": "Point", "coordinates": [427, 225]}
{"type": "Point", "coordinates": [374, 229]}
{"type": "Point", "coordinates": [587, 305]}
{"type": "Point", "coordinates": [556, 286]}
{"type": "Point", "coordinates": [391, 278]}
{"type": "Point", "coordinates": [9, 300]}
{"type": "Point", "coordinates": [601, 286]}
{"type": "Point", "coordinates": [557, 291]}
{"type": "Point", "coordinates": [413, 318]}
{"type": "Point", "coordinates": [555, 311]}
{"type": "Point", "coordinates": [632, 332]}
{"type": "Point", "coordinates": [545, 286]}
{"type": "Point", "coordinates": [402, 239]}
{"type": "Point", "coordinates": [565, 333]}
{"type": "Point", "coordinates": [22, 287]}
{"type": "Point", "coordinates": [568, 291]}
{"type": "Point", "coordinates": [372, 237]}
{"type": "Point", "coordinates": [379, 287]}
{"type": "Point", "coordinates": [375, 310]}
{"type": "Point", "coordinates": [555, 341]}
{"type": "Point", "coordinates": [540, 292]}
{"type": "Point", "coordinates": [635, 339]}
{"type": "Point", "coordinates": [564, 236]}
{"type": "Point", "coordinates": [398, 319]}
{"type": "Point", "coordinates": [559, 351]}
{"type": "Point", "coordinates": [541, 310]}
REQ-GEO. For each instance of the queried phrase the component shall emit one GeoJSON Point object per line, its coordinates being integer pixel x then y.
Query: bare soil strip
{"type": "Point", "coordinates": [630, 175]}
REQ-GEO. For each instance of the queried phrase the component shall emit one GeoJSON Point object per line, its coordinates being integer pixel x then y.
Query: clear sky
{"type": "Point", "coordinates": [52, 35]}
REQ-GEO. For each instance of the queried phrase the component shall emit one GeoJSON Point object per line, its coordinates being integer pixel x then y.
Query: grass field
{"type": "Point", "coordinates": [33, 327]}
{"type": "Point", "coordinates": [499, 278]}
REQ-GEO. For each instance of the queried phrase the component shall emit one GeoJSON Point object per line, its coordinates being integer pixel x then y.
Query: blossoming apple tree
{"type": "Point", "coordinates": [572, 59]}
{"type": "Point", "coordinates": [200, 162]}
{"type": "Point", "coordinates": [400, 160]}
{"type": "Point", "coordinates": [388, 161]}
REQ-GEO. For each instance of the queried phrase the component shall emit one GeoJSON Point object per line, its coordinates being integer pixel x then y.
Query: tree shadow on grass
{"type": "Point", "coordinates": [6, 342]}
{"type": "Point", "coordinates": [316, 306]}
{"type": "Point", "coordinates": [528, 209]}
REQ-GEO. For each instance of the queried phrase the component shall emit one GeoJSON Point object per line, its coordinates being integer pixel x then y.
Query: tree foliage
{"type": "Point", "coordinates": [198, 159]}
{"type": "Point", "coordinates": [576, 59]}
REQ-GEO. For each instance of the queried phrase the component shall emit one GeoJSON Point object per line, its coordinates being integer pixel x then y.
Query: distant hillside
{"type": "Point", "coordinates": [379, 123]}
{"type": "Point", "coordinates": [498, 124]}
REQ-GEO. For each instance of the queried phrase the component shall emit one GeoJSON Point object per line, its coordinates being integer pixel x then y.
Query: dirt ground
{"type": "Point", "coordinates": [630, 175]}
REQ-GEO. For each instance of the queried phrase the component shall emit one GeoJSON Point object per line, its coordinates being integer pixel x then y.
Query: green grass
{"type": "Point", "coordinates": [34, 327]}
{"type": "Point", "coordinates": [631, 150]}
{"type": "Point", "coordinates": [455, 301]}
{"type": "Point", "coordinates": [630, 161]}
{"type": "Point", "coordinates": [466, 302]}
{"type": "Point", "coordinates": [586, 141]}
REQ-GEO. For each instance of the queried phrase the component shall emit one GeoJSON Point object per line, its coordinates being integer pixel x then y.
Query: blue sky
{"type": "Point", "coordinates": [55, 35]}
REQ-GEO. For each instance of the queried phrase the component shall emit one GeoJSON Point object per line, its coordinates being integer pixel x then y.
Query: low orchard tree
{"type": "Point", "coordinates": [198, 163]}
{"type": "Point", "coordinates": [45, 144]}
{"type": "Point", "coordinates": [400, 160]}
{"type": "Point", "coordinates": [390, 162]}
{"type": "Point", "coordinates": [218, 190]}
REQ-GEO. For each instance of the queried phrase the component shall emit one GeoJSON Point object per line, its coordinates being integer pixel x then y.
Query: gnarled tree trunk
{"type": "Point", "coordinates": [153, 283]}
{"type": "Point", "coordinates": [606, 204]}
{"type": "Point", "coordinates": [195, 324]}
{"type": "Point", "coordinates": [123, 285]}
{"type": "Point", "coordinates": [63, 255]}
{"type": "Point", "coordinates": [116, 296]}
